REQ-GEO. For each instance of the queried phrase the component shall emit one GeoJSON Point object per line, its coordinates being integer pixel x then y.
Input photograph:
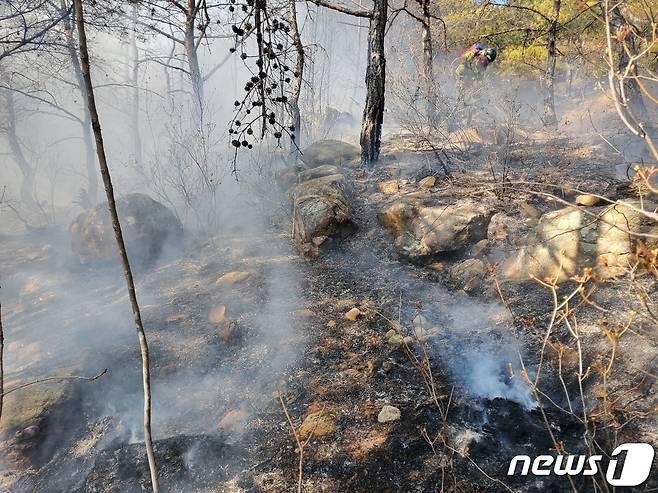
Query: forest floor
{"type": "Point", "coordinates": [243, 331]}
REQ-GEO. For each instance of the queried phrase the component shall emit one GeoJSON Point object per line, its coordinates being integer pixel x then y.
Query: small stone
{"type": "Point", "coordinates": [587, 200]}
{"type": "Point", "coordinates": [227, 332]}
{"type": "Point", "coordinates": [217, 315]}
{"type": "Point", "coordinates": [395, 340]}
{"type": "Point", "coordinates": [331, 324]}
{"type": "Point", "coordinates": [480, 248]}
{"type": "Point", "coordinates": [427, 182]}
{"type": "Point", "coordinates": [319, 240]}
{"type": "Point", "coordinates": [388, 414]}
{"type": "Point", "coordinates": [233, 420]}
{"type": "Point", "coordinates": [303, 313]}
{"type": "Point", "coordinates": [388, 186]}
{"type": "Point", "coordinates": [437, 266]}
{"type": "Point", "coordinates": [231, 278]}
{"type": "Point", "coordinates": [319, 424]}
{"type": "Point", "coordinates": [353, 314]}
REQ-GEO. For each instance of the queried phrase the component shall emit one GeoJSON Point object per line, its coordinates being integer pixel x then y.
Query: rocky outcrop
{"type": "Point", "coordinates": [146, 224]}
{"type": "Point", "coordinates": [321, 211]}
{"type": "Point", "coordinates": [568, 240]}
{"type": "Point", "coordinates": [333, 152]}
{"type": "Point", "coordinates": [422, 230]}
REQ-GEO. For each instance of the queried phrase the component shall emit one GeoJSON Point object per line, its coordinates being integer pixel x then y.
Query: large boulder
{"type": "Point", "coordinates": [421, 230]}
{"type": "Point", "coordinates": [334, 152]}
{"type": "Point", "coordinates": [146, 224]}
{"type": "Point", "coordinates": [568, 240]}
{"type": "Point", "coordinates": [320, 211]}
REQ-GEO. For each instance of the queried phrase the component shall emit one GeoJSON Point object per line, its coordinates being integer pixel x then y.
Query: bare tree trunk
{"type": "Point", "coordinates": [92, 178]}
{"type": "Point", "coordinates": [428, 65]}
{"type": "Point", "coordinates": [297, 81]}
{"type": "Point", "coordinates": [550, 118]}
{"type": "Point", "coordinates": [136, 134]}
{"type": "Point", "coordinates": [116, 225]}
{"type": "Point", "coordinates": [373, 113]}
{"type": "Point", "coordinates": [167, 77]}
{"type": "Point", "coordinates": [27, 183]}
{"type": "Point", "coordinates": [193, 59]}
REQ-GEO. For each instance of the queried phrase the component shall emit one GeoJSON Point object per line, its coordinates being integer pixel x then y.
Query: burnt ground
{"type": "Point", "coordinates": [219, 424]}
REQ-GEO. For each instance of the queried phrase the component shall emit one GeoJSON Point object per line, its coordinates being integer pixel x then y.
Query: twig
{"type": "Point", "coordinates": [300, 445]}
{"type": "Point", "coordinates": [50, 379]}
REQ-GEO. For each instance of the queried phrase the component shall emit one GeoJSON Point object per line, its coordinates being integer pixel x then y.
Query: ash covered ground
{"type": "Point", "coordinates": [243, 330]}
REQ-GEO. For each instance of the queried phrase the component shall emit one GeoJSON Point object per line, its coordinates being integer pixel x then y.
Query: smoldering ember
{"type": "Point", "coordinates": [328, 246]}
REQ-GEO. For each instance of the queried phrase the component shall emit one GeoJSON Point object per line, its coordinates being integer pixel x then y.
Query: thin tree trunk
{"type": "Point", "coordinates": [373, 113]}
{"type": "Point", "coordinates": [27, 182]}
{"type": "Point", "coordinates": [92, 178]}
{"type": "Point", "coordinates": [550, 118]}
{"type": "Point", "coordinates": [630, 91]}
{"type": "Point", "coordinates": [297, 81]}
{"type": "Point", "coordinates": [428, 65]}
{"type": "Point", "coordinates": [167, 77]}
{"type": "Point", "coordinates": [116, 225]}
{"type": "Point", "coordinates": [136, 134]}
{"type": "Point", "coordinates": [193, 59]}
{"type": "Point", "coordinates": [90, 165]}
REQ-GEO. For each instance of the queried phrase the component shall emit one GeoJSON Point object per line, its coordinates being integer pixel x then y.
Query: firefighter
{"type": "Point", "coordinates": [474, 62]}
{"type": "Point", "coordinates": [470, 69]}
